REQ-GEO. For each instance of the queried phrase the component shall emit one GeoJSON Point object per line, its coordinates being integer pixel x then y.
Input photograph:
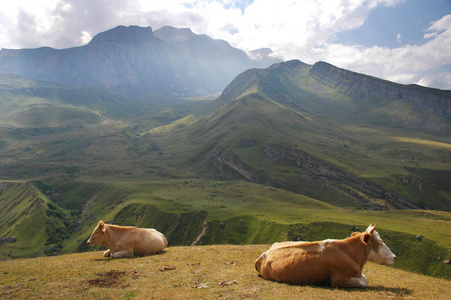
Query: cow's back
{"type": "Point", "coordinates": [288, 244]}
{"type": "Point", "coordinates": [157, 236]}
{"type": "Point", "coordinates": [150, 242]}
{"type": "Point", "coordinates": [294, 265]}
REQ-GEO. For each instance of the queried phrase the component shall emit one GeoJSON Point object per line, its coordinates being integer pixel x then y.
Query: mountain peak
{"type": "Point", "coordinates": [172, 34]}
{"type": "Point", "coordinates": [290, 64]}
{"type": "Point", "coordinates": [125, 34]}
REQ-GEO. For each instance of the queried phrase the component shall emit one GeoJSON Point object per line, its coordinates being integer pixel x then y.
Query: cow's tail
{"type": "Point", "coordinates": [259, 262]}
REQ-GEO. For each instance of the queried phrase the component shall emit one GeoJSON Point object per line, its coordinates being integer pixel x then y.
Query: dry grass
{"type": "Point", "coordinates": [202, 272]}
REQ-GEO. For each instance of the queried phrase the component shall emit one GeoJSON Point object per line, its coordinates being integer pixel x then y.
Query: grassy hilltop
{"type": "Point", "coordinates": [204, 272]}
{"type": "Point", "coordinates": [282, 154]}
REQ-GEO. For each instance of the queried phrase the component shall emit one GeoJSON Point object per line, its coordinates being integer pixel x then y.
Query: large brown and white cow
{"type": "Point", "coordinates": [127, 241]}
{"type": "Point", "coordinates": [338, 262]}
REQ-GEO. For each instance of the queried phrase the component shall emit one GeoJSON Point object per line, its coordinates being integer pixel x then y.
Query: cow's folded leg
{"type": "Point", "coordinates": [358, 282]}
{"type": "Point", "coordinates": [107, 253]}
{"type": "Point", "coordinates": [121, 254]}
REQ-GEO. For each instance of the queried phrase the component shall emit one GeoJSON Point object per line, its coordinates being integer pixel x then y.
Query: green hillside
{"type": "Point", "coordinates": [40, 226]}
{"type": "Point", "coordinates": [285, 153]}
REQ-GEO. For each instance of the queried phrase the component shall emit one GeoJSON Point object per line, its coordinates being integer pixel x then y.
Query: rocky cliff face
{"type": "Point", "coordinates": [320, 173]}
{"type": "Point", "coordinates": [358, 86]}
{"type": "Point", "coordinates": [322, 169]}
{"type": "Point", "coordinates": [136, 61]}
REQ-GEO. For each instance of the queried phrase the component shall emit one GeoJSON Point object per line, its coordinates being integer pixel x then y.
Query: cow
{"type": "Point", "coordinates": [127, 241]}
{"type": "Point", "coordinates": [335, 262]}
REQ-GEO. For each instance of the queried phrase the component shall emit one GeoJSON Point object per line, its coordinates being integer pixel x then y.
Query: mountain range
{"type": "Point", "coordinates": [291, 151]}
{"type": "Point", "coordinates": [136, 61]}
{"type": "Point", "coordinates": [317, 120]}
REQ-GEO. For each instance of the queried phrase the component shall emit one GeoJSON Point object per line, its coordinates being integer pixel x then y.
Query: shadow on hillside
{"type": "Point", "coordinates": [102, 258]}
{"type": "Point", "coordinates": [386, 292]}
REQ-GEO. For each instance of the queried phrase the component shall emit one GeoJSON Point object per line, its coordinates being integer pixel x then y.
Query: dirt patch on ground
{"type": "Point", "coordinates": [167, 268]}
{"type": "Point", "coordinates": [108, 279]}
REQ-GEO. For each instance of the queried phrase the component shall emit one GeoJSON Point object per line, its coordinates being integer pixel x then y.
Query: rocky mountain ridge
{"type": "Point", "coordinates": [357, 86]}
{"type": "Point", "coordinates": [137, 61]}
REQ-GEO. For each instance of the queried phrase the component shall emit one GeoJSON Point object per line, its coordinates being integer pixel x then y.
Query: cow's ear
{"type": "Point", "coordinates": [355, 233]}
{"type": "Point", "coordinates": [101, 224]}
{"type": "Point", "coordinates": [366, 238]}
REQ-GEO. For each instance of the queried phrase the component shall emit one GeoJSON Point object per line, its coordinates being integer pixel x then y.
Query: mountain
{"type": "Point", "coordinates": [331, 134]}
{"type": "Point", "coordinates": [136, 61]}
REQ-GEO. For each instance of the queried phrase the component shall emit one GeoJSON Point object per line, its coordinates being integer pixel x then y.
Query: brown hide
{"type": "Point", "coordinates": [338, 262]}
{"type": "Point", "coordinates": [127, 241]}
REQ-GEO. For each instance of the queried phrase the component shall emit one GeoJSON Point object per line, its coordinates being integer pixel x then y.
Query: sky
{"type": "Point", "coordinates": [405, 41]}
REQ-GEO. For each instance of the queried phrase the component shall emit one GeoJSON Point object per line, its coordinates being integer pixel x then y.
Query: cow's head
{"type": "Point", "coordinates": [379, 252]}
{"type": "Point", "coordinates": [98, 235]}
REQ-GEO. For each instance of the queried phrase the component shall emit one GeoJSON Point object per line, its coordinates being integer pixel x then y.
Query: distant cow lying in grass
{"type": "Point", "coordinates": [338, 262]}
{"type": "Point", "coordinates": [127, 241]}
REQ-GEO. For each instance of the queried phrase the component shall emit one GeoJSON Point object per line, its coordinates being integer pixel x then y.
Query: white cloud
{"type": "Point", "coordinates": [408, 64]}
{"type": "Point", "coordinates": [263, 23]}
{"type": "Point", "coordinates": [85, 37]}
{"type": "Point", "coordinates": [437, 79]}
{"type": "Point", "coordinates": [304, 29]}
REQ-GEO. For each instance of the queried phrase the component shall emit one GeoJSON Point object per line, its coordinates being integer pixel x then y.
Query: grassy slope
{"type": "Point", "coordinates": [207, 272]}
{"type": "Point", "coordinates": [39, 226]}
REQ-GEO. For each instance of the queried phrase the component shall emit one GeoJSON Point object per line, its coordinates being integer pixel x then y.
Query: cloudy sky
{"type": "Point", "coordinates": [406, 41]}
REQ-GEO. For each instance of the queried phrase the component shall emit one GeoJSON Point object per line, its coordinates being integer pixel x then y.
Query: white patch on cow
{"type": "Point", "coordinates": [322, 244]}
{"type": "Point", "coordinates": [362, 281]}
{"type": "Point", "coordinates": [383, 255]}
